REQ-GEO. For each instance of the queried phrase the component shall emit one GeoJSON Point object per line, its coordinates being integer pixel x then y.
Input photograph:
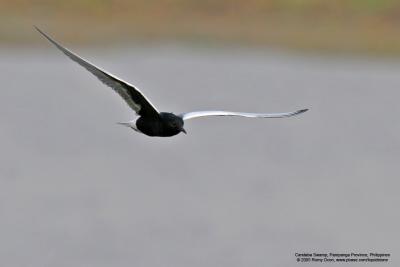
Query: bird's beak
{"type": "Point", "coordinates": [184, 131]}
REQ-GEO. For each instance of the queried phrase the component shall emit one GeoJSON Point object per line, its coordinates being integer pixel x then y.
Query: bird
{"type": "Point", "coordinates": [149, 120]}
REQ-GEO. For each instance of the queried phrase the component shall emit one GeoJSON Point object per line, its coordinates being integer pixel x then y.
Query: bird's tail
{"type": "Point", "coordinates": [130, 124]}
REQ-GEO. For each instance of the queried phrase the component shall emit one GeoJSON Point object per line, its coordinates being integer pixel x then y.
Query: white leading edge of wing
{"type": "Point", "coordinates": [198, 114]}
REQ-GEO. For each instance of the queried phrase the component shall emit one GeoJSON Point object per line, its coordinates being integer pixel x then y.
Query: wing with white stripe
{"type": "Point", "coordinates": [198, 114]}
{"type": "Point", "coordinates": [132, 96]}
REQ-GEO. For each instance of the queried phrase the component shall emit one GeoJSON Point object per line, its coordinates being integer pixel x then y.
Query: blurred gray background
{"type": "Point", "coordinates": [78, 190]}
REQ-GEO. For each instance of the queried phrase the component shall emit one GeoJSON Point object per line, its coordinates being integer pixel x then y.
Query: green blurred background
{"type": "Point", "coordinates": [345, 26]}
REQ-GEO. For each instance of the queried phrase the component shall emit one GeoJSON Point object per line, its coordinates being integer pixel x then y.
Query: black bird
{"type": "Point", "coordinates": [151, 122]}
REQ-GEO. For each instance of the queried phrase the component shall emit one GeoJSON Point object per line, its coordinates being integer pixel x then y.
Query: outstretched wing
{"type": "Point", "coordinates": [132, 96]}
{"type": "Point", "coordinates": [198, 114]}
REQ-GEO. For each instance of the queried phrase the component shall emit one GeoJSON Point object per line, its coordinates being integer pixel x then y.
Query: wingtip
{"type": "Point", "coordinates": [301, 111]}
{"type": "Point", "coordinates": [45, 35]}
{"type": "Point", "coordinates": [37, 28]}
{"type": "Point", "coordinates": [40, 31]}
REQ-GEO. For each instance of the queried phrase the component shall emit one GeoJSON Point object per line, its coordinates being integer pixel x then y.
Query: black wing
{"type": "Point", "coordinates": [132, 96]}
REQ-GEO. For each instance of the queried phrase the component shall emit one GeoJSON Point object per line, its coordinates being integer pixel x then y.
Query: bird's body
{"type": "Point", "coordinates": [151, 122]}
{"type": "Point", "coordinates": [165, 125]}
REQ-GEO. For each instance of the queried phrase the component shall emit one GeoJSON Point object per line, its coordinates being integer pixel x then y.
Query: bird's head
{"type": "Point", "coordinates": [178, 125]}
{"type": "Point", "coordinates": [174, 123]}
